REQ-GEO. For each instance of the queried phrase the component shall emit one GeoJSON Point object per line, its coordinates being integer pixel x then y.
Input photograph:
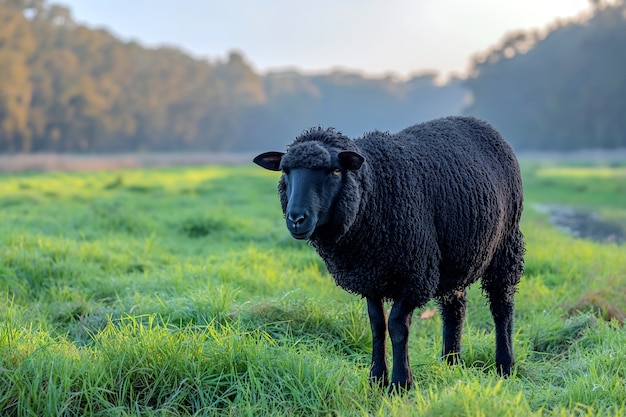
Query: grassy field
{"type": "Point", "coordinates": [178, 291]}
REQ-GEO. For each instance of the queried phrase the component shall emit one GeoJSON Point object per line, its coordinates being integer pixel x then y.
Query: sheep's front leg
{"type": "Point", "coordinates": [399, 326]}
{"type": "Point", "coordinates": [379, 375]}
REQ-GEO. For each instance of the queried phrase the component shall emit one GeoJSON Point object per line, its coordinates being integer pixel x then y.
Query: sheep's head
{"type": "Point", "coordinates": [315, 185]}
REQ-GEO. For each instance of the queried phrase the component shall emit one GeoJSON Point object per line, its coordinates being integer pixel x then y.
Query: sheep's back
{"type": "Point", "coordinates": [444, 195]}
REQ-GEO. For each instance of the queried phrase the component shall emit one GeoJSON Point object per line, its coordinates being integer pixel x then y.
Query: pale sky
{"type": "Point", "coordinates": [372, 36]}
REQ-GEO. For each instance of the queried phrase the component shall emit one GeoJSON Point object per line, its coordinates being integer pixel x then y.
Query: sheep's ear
{"type": "Point", "coordinates": [351, 160]}
{"type": "Point", "coordinates": [269, 160]}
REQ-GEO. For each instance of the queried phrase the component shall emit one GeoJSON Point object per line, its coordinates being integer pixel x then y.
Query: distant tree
{"type": "Point", "coordinates": [17, 43]}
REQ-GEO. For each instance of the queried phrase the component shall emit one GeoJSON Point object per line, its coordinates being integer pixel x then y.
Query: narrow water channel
{"type": "Point", "coordinates": [583, 224]}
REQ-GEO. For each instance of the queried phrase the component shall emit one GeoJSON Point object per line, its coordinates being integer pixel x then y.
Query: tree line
{"type": "Point", "coordinates": [563, 89]}
{"type": "Point", "coordinates": [65, 87]}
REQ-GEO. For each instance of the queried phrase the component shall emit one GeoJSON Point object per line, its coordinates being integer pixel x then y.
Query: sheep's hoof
{"type": "Point", "coordinates": [400, 388]}
{"type": "Point", "coordinates": [452, 358]}
{"type": "Point", "coordinates": [379, 382]}
{"type": "Point", "coordinates": [503, 370]}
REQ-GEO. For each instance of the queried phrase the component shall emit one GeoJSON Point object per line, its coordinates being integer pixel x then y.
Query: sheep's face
{"type": "Point", "coordinates": [310, 187]}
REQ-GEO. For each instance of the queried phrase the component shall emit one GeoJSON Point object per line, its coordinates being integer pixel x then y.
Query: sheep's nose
{"type": "Point", "coordinates": [300, 223]}
{"type": "Point", "coordinates": [296, 219]}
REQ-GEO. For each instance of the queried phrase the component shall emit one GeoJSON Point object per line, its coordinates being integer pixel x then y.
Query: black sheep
{"type": "Point", "coordinates": [408, 217]}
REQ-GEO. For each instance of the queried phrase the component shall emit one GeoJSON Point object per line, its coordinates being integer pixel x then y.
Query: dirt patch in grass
{"type": "Point", "coordinates": [601, 305]}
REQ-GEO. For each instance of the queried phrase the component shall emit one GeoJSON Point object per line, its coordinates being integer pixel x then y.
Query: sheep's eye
{"type": "Point", "coordinates": [286, 170]}
{"type": "Point", "coordinates": [336, 172]}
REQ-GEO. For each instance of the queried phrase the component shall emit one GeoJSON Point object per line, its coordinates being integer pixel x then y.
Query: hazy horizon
{"type": "Point", "coordinates": [399, 37]}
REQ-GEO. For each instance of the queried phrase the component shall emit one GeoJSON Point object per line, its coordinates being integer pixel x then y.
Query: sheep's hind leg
{"type": "Point", "coordinates": [499, 283]}
{"type": "Point", "coordinates": [501, 304]}
{"type": "Point", "coordinates": [453, 307]}
{"type": "Point", "coordinates": [379, 374]}
{"type": "Point", "coordinates": [399, 325]}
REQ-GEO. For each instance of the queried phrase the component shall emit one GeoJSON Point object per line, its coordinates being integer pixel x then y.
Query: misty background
{"type": "Point", "coordinates": [72, 87]}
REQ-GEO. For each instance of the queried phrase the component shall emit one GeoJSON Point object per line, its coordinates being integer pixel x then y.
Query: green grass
{"type": "Point", "coordinates": [178, 291]}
